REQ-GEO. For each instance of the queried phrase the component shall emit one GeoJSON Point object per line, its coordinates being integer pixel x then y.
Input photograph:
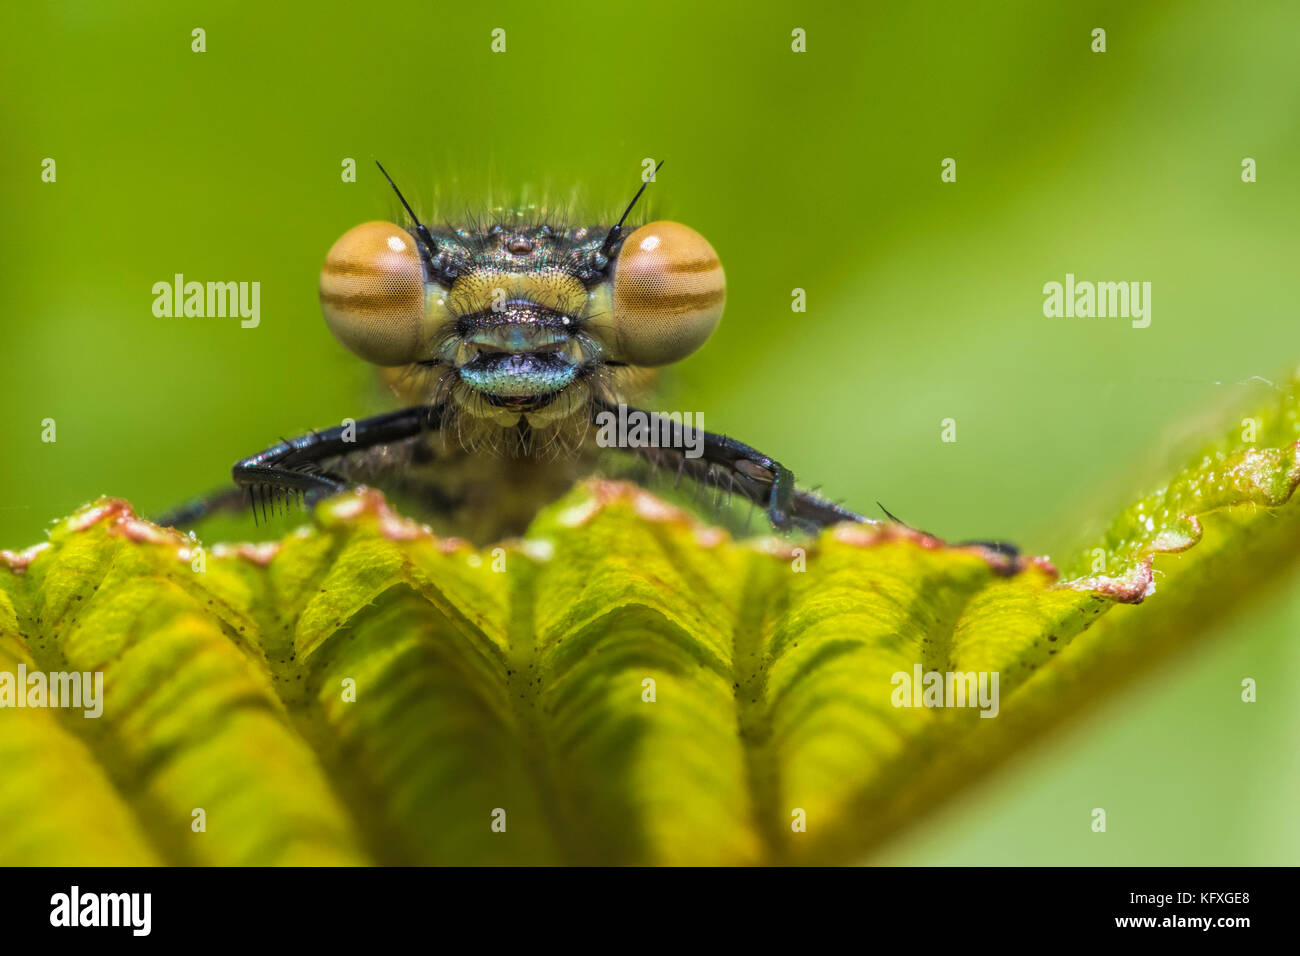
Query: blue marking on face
{"type": "Point", "coordinates": [521, 376]}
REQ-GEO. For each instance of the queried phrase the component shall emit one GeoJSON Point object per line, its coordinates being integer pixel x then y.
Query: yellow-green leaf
{"type": "Point", "coordinates": [624, 685]}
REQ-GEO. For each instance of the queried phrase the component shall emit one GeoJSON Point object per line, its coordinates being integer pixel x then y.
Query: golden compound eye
{"type": "Point", "coordinates": [372, 294]}
{"type": "Point", "coordinates": [669, 290]}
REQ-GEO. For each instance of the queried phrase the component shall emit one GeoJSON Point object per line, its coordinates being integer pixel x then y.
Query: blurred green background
{"type": "Point", "coordinates": [818, 170]}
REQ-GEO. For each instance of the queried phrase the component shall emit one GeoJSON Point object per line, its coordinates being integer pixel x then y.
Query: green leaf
{"type": "Point", "coordinates": [624, 685]}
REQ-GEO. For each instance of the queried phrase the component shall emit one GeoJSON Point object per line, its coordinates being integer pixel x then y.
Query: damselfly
{"type": "Point", "coordinates": [510, 342]}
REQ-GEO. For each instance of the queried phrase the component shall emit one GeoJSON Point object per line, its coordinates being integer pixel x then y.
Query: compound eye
{"type": "Point", "coordinates": [372, 294]}
{"type": "Point", "coordinates": [669, 290]}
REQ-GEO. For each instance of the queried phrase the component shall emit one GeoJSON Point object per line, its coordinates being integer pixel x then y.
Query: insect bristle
{"type": "Point", "coordinates": [526, 207]}
{"type": "Point", "coordinates": [266, 501]}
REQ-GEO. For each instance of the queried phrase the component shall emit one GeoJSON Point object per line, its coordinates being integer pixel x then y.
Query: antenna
{"type": "Point", "coordinates": [607, 246]}
{"type": "Point", "coordinates": [421, 230]}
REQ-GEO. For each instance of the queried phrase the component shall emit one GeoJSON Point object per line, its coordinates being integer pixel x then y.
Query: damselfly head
{"type": "Point", "coordinates": [510, 319]}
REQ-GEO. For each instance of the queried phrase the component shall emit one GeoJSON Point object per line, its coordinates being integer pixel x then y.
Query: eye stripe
{"type": "Point", "coordinates": [694, 265]}
{"type": "Point", "coordinates": [388, 288]}
{"type": "Point", "coordinates": [369, 301]}
{"type": "Point", "coordinates": [683, 302]}
{"type": "Point", "coordinates": [384, 282]}
{"type": "Point", "coordinates": [351, 268]}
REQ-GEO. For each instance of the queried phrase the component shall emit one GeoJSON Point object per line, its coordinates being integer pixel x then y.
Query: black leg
{"type": "Point", "coordinates": [1003, 548]}
{"type": "Point", "coordinates": [284, 467]}
{"type": "Point", "coordinates": [284, 470]}
{"type": "Point", "coordinates": [755, 476]}
{"type": "Point", "coordinates": [760, 479]}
